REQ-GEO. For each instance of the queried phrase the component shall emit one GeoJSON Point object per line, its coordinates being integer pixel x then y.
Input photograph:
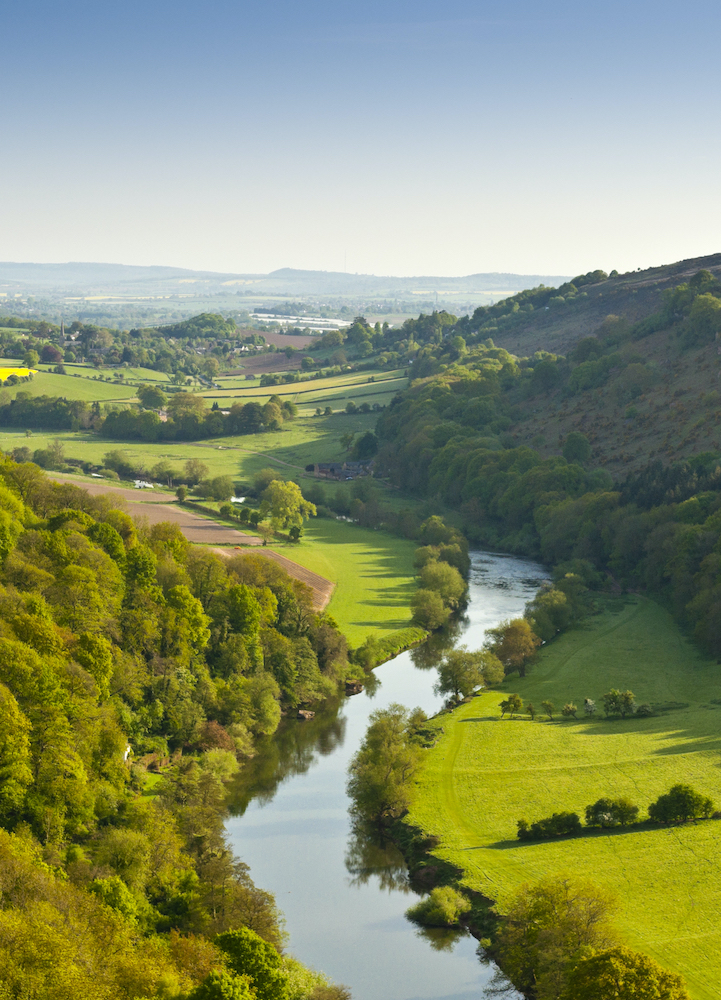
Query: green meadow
{"type": "Point", "coordinates": [486, 773]}
{"type": "Point", "coordinates": [373, 573]}
{"type": "Point", "coordinates": [300, 442]}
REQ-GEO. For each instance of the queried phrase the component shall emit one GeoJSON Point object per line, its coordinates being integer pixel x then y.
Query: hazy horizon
{"type": "Point", "coordinates": [390, 139]}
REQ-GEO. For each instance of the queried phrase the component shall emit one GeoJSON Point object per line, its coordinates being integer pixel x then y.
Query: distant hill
{"type": "Point", "coordinates": [127, 279]}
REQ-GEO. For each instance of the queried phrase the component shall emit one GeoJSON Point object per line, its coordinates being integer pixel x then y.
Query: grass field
{"type": "Point", "coordinates": [485, 774]}
{"type": "Point", "coordinates": [373, 573]}
{"type": "Point", "coordinates": [87, 388]}
{"type": "Point", "coordinates": [300, 443]}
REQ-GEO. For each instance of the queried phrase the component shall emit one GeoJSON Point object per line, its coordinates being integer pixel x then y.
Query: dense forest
{"type": "Point", "coordinates": [125, 650]}
{"type": "Point", "coordinates": [448, 439]}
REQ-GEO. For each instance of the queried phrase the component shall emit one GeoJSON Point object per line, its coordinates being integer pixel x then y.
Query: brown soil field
{"type": "Point", "coordinates": [258, 364]}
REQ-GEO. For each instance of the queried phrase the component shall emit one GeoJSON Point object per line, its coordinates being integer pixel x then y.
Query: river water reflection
{"type": "Point", "coordinates": [344, 903]}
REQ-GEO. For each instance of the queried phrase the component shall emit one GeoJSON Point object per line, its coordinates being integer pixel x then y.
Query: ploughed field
{"type": "Point", "coordinates": [486, 773]}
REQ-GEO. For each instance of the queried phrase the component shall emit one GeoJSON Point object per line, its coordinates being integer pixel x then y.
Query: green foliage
{"type": "Point", "coordinates": [284, 502]}
{"type": "Point", "coordinates": [152, 397]}
{"type": "Point", "coordinates": [512, 704]}
{"type": "Point", "coordinates": [429, 610]}
{"type": "Point", "coordinates": [564, 824]}
{"type": "Point", "coordinates": [619, 703]}
{"type": "Point", "coordinates": [611, 812]}
{"type": "Point", "coordinates": [249, 955]}
{"type": "Point", "coordinates": [679, 805]}
{"type": "Point", "coordinates": [221, 985]}
{"type": "Point", "coordinates": [443, 907]}
{"type": "Point", "coordinates": [381, 772]}
{"type": "Point", "coordinates": [514, 643]}
{"type": "Point", "coordinates": [444, 580]}
{"type": "Point", "coordinates": [621, 974]}
{"type": "Point", "coordinates": [577, 448]}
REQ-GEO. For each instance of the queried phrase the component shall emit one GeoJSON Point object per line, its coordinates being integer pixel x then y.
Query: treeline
{"type": "Point", "coordinates": [188, 418]}
{"type": "Point", "coordinates": [125, 651]}
{"type": "Point", "coordinates": [681, 804]}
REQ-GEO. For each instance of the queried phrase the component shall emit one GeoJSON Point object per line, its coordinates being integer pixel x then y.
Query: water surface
{"type": "Point", "coordinates": [344, 902]}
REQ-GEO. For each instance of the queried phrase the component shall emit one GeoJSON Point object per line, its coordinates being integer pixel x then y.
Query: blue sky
{"type": "Point", "coordinates": [392, 138]}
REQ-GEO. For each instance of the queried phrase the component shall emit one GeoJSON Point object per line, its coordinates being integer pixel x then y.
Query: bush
{"type": "Point", "coordinates": [563, 824]}
{"type": "Point", "coordinates": [611, 812]}
{"type": "Point", "coordinates": [679, 805]}
{"type": "Point", "coordinates": [442, 908]}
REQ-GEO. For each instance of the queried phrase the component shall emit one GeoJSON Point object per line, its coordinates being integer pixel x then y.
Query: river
{"type": "Point", "coordinates": [344, 903]}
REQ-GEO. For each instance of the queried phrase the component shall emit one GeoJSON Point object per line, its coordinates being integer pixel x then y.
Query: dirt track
{"type": "Point", "coordinates": [157, 507]}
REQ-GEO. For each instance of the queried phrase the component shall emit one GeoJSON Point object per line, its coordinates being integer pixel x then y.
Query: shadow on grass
{"type": "Point", "coordinates": [594, 834]}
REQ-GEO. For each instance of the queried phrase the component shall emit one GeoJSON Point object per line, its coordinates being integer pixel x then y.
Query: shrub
{"type": "Point", "coordinates": [569, 710]}
{"type": "Point", "coordinates": [549, 708]}
{"type": "Point", "coordinates": [679, 805]}
{"type": "Point", "coordinates": [442, 908]}
{"type": "Point", "coordinates": [611, 812]}
{"type": "Point", "coordinates": [619, 703]}
{"type": "Point", "coordinates": [564, 824]}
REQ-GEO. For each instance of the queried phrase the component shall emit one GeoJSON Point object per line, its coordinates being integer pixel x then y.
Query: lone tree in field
{"type": "Point", "coordinates": [679, 805]}
{"type": "Point", "coordinates": [286, 506]}
{"type": "Point", "coordinates": [549, 708]}
{"type": "Point", "coordinates": [569, 710]}
{"type": "Point", "coordinates": [514, 643]}
{"type": "Point", "coordinates": [531, 710]}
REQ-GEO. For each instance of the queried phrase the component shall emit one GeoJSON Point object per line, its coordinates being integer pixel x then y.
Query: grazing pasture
{"type": "Point", "coordinates": [486, 773]}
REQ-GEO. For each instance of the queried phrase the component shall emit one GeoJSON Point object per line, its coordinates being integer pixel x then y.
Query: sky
{"type": "Point", "coordinates": [431, 138]}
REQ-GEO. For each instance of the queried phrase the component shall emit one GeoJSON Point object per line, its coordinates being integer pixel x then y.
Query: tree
{"type": "Point", "coordinates": [577, 448]}
{"type": "Point", "coordinates": [366, 446]}
{"type": "Point", "coordinates": [346, 440]}
{"type": "Point", "coordinates": [249, 955]}
{"type": "Point", "coordinates": [445, 580]}
{"type": "Point", "coordinates": [460, 672]}
{"type": "Point", "coordinates": [611, 812]}
{"type": "Point", "coordinates": [619, 702]}
{"type": "Point", "coordinates": [514, 643]}
{"type": "Point", "coordinates": [381, 772]}
{"type": "Point", "coordinates": [429, 611]}
{"type": "Point", "coordinates": [195, 471]}
{"type": "Point", "coordinates": [549, 708]}
{"type": "Point", "coordinates": [679, 805]}
{"type": "Point", "coordinates": [513, 703]}
{"type": "Point", "coordinates": [546, 926]}
{"type": "Point", "coordinates": [531, 710]}
{"type": "Point", "coordinates": [221, 985]}
{"type": "Point", "coordinates": [51, 355]}
{"type": "Point", "coordinates": [286, 506]}
{"type": "Point", "coordinates": [621, 974]}
{"type": "Point", "coordinates": [218, 488]}
{"type": "Point", "coordinates": [151, 397]}
{"type": "Point", "coordinates": [589, 706]}
{"type": "Point", "coordinates": [181, 493]}
{"type": "Point", "coordinates": [31, 359]}
{"type": "Point", "coordinates": [185, 404]}
{"type": "Point", "coordinates": [569, 710]}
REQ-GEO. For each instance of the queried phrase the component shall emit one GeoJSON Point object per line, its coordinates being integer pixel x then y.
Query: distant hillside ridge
{"type": "Point", "coordinates": [559, 325]}
{"type": "Point", "coordinates": [18, 277]}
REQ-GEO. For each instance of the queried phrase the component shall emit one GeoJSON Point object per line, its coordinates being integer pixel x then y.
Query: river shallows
{"type": "Point", "coordinates": [292, 826]}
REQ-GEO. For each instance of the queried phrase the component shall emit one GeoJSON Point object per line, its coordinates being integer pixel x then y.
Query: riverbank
{"type": "Point", "coordinates": [485, 773]}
